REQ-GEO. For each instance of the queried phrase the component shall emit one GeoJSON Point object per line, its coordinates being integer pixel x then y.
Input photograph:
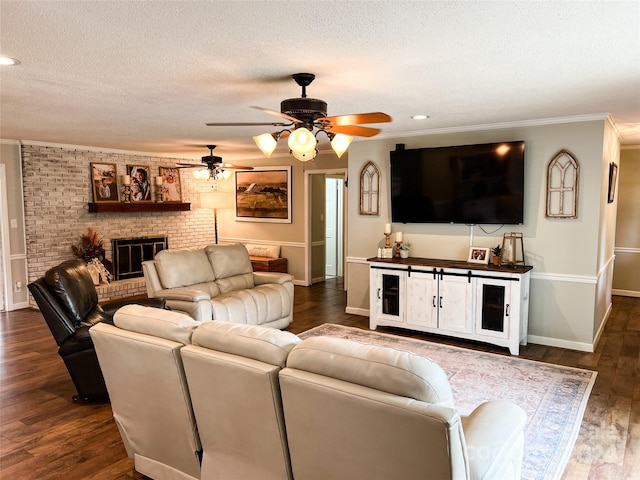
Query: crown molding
{"type": "Point", "coordinates": [85, 148]}
{"type": "Point", "coordinates": [504, 125]}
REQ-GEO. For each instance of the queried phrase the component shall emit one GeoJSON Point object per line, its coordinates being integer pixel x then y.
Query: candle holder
{"type": "Point", "coordinates": [158, 182]}
{"type": "Point", "coordinates": [126, 194]}
{"type": "Point", "coordinates": [387, 240]}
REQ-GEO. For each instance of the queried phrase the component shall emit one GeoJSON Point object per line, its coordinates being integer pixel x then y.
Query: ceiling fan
{"type": "Point", "coordinates": [215, 167]}
{"type": "Point", "coordinates": [304, 115]}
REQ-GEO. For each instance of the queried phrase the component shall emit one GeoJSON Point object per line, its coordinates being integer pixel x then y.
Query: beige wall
{"type": "Point", "coordinates": [569, 256]}
{"type": "Point", "coordinates": [57, 189]}
{"type": "Point", "coordinates": [626, 277]}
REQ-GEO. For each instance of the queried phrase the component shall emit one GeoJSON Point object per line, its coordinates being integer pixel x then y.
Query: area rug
{"type": "Point", "coordinates": [554, 397]}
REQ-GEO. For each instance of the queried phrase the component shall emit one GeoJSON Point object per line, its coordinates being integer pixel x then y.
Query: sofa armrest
{"type": "Point", "coordinates": [260, 278]}
{"type": "Point", "coordinates": [494, 434]}
{"type": "Point", "coordinates": [110, 307]}
{"type": "Point", "coordinates": [182, 293]}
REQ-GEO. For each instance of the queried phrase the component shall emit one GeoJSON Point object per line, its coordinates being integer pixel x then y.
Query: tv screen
{"type": "Point", "coordinates": [459, 184]}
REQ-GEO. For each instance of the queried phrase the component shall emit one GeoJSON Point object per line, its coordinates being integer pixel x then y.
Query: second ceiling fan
{"type": "Point", "coordinates": [306, 117]}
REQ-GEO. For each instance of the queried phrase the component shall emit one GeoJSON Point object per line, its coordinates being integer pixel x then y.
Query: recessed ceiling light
{"type": "Point", "coordinates": [8, 61]}
{"type": "Point", "coordinates": [420, 117]}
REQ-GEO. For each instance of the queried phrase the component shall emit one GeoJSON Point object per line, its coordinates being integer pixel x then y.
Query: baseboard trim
{"type": "Point", "coordinates": [558, 342]}
{"type": "Point", "coordinates": [625, 293]}
{"type": "Point", "coordinates": [363, 312]}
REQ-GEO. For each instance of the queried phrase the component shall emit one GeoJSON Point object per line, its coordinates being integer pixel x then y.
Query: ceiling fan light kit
{"type": "Point", "coordinates": [308, 117]}
{"type": "Point", "coordinates": [215, 168]}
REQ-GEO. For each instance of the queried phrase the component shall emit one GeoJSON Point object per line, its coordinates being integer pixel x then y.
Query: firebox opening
{"type": "Point", "coordinates": [129, 253]}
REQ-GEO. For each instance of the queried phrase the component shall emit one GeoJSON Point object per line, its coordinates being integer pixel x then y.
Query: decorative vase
{"type": "Point", "coordinates": [404, 253]}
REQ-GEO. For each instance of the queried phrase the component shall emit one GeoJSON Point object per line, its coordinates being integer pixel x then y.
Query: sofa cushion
{"type": "Point", "coordinates": [167, 324]}
{"type": "Point", "coordinates": [253, 306]}
{"type": "Point", "coordinates": [268, 251]}
{"type": "Point", "coordinates": [180, 268]}
{"type": "Point", "coordinates": [72, 285]}
{"type": "Point", "coordinates": [231, 266]}
{"type": "Point", "coordinates": [259, 343]}
{"type": "Point", "coordinates": [382, 368]}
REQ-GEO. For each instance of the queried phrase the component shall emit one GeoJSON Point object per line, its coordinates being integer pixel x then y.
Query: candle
{"type": "Point", "coordinates": [159, 181]}
{"type": "Point", "coordinates": [398, 237]}
{"type": "Point", "coordinates": [387, 228]}
{"type": "Point", "coordinates": [126, 179]}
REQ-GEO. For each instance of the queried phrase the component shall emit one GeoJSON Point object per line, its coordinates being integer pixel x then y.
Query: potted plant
{"type": "Point", "coordinates": [404, 250]}
{"type": "Point", "coordinates": [496, 251]}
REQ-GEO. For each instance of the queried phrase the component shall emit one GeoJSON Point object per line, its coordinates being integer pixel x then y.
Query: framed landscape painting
{"type": "Point", "coordinates": [104, 182]}
{"type": "Point", "coordinates": [264, 195]}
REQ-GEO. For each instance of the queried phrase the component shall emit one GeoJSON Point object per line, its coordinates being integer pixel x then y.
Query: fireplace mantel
{"type": "Point", "coordinates": [134, 207]}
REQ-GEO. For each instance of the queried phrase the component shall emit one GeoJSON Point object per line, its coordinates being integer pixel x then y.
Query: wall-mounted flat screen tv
{"type": "Point", "coordinates": [472, 184]}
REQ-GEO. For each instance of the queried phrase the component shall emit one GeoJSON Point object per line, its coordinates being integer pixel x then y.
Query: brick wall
{"type": "Point", "coordinates": [57, 189]}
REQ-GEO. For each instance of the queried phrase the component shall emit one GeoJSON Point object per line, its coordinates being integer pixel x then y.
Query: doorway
{"type": "Point", "coordinates": [326, 228]}
{"type": "Point", "coordinates": [334, 208]}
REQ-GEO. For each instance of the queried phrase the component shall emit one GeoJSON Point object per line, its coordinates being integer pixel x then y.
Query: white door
{"type": "Point", "coordinates": [455, 303]}
{"type": "Point", "coordinates": [333, 225]}
{"type": "Point", "coordinates": [422, 299]}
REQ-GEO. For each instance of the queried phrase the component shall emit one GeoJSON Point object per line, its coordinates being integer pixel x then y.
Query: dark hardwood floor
{"type": "Point", "coordinates": [44, 435]}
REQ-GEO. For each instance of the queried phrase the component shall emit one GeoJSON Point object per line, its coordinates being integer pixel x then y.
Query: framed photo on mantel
{"type": "Point", "coordinates": [171, 189]}
{"type": "Point", "coordinates": [104, 182]}
{"type": "Point", "coordinates": [140, 183]}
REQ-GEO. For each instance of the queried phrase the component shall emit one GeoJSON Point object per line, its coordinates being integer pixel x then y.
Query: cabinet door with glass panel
{"type": "Point", "coordinates": [388, 296]}
{"type": "Point", "coordinates": [493, 307]}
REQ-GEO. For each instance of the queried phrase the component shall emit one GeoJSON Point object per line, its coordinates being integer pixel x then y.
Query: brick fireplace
{"type": "Point", "coordinates": [57, 190]}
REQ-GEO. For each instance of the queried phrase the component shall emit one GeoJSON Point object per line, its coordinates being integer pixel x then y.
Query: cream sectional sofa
{"type": "Point", "coordinates": [210, 400]}
{"type": "Point", "coordinates": [218, 283]}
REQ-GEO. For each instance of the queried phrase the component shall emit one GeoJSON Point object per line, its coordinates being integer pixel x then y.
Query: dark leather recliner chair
{"type": "Point", "coordinates": [68, 301]}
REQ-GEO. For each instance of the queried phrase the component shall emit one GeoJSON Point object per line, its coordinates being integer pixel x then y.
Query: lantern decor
{"type": "Point", "coordinates": [512, 249]}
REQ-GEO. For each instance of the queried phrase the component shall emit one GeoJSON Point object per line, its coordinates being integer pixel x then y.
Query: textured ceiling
{"type": "Point", "coordinates": [147, 75]}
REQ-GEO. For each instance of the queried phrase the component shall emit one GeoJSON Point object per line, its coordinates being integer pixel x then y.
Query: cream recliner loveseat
{"type": "Point", "coordinates": [354, 410]}
{"type": "Point", "coordinates": [218, 283]}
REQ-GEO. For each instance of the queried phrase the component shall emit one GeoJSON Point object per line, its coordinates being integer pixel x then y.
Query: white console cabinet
{"type": "Point", "coordinates": [485, 303]}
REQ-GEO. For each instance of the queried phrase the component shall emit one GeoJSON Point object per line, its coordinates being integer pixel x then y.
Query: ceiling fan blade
{"type": "Point", "coordinates": [357, 118]}
{"type": "Point", "coordinates": [231, 166]}
{"type": "Point", "coordinates": [190, 165]}
{"type": "Point", "coordinates": [354, 130]}
{"type": "Point", "coordinates": [245, 124]}
{"type": "Point", "coordinates": [278, 114]}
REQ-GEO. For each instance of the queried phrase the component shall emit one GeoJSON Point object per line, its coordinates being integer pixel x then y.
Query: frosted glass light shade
{"type": "Point", "coordinates": [301, 141]}
{"type": "Point", "coordinates": [201, 174]}
{"type": "Point", "coordinates": [216, 200]}
{"type": "Point", "coordinates": [266, 143]}
{"type": "Point", "coordinates": [305, 156]}
{"type": "Point", "coordinates": [340, 143]}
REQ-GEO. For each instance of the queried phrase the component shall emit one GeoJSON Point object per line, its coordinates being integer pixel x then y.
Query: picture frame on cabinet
{"type": "Point", "coordinates": [104, 182]}
{"type": "Point", "coordinates": [478, 255]}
